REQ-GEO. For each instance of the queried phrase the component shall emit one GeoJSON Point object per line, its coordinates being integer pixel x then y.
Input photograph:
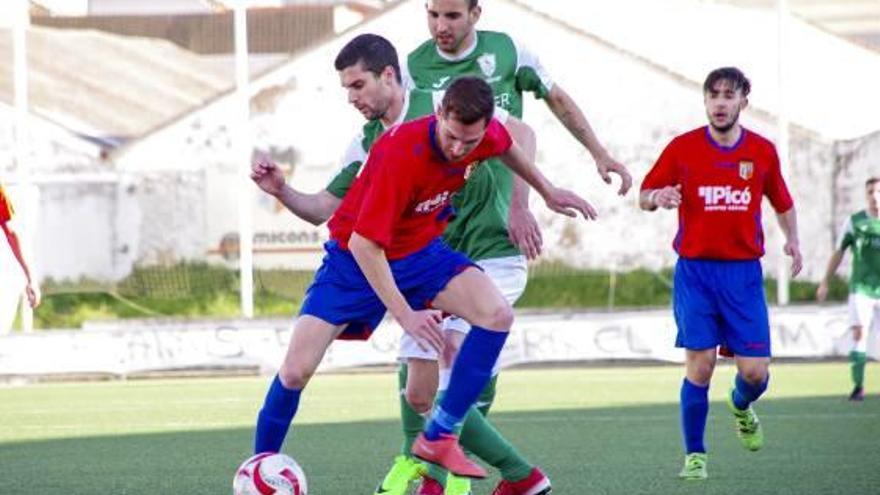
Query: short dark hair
{"type": "Point", "coordinates": [871, 181]}
{"type": "Point", "coordinates": [373, 51]}
{"type": "Point", "coordinates": [470, 99]}
{"type": "Point", "coordinates": [472, 4]}
{"type": "Point", "coordinates": [734, 76]}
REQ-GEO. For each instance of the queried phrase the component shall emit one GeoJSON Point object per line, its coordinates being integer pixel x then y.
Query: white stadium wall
{"type": "Point", "coordinates": [178, 200]}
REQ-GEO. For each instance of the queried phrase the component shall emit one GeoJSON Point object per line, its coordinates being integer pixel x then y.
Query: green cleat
{"type": "Point", "coordinates": [404, 471]}
{"type": "Point", "coordinates": [694, 467]}
{"type": "Point", "coordinates": [748, 427]}
{"type": "Point", "coordinates": [457, 486]}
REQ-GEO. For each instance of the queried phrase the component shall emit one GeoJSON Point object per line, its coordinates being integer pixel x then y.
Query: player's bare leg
{"type": "Point", "coordinates": [309, 341]}
{"type": "Point", "coordinates": [491, 318]}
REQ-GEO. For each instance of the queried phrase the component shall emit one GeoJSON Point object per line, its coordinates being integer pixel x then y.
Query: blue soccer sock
{"type": "Point", "coordinates": [744, 393]}
{"type": "Point", "coordinates": [275, 417]}
{"type": "Point", "coordinates": [470, 374]}
{"type": "Point", "coordinates": [694, 405]}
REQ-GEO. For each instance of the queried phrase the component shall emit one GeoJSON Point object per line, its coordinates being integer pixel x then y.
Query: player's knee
{"type": "Point", "coordinates": [294, 377]}
{"type": "Point", "coordinates": [754, 376]}
{"type": "Point", "coordinates": [419, 401]}
{"type": "Point", "coordinates": [701, 373]}
{"type": "Point", "coordinates": [500, 318]}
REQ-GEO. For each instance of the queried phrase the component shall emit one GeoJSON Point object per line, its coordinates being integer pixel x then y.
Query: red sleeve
{"type": "Point", "coordinates": [387, 189]}
{"type": "Point", "coordinates": [774, 185]}
{"type": "Point", "coordinates": [495, 142]}
{"type": "Point", "coordinates": [6, 210]}
{"type": "Point", "coordinates": [665, 170]}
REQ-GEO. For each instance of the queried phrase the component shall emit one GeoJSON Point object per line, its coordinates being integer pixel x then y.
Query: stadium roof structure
{"type": "Point", "coordinates": [855, 20]}
{"type": "Point", "coordinates": [108, 88]}
{"type": "Point", "coordinates": [829, 82]}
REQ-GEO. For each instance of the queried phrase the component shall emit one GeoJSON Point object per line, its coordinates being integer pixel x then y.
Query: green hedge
{"type": "Point", "coordinates": [201, 290]}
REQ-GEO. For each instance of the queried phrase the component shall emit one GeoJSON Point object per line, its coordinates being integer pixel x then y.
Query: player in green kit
{"type": "Point", "coordinates": [501, 233]}
{"type": "Point", "coordinates": [368, 70]}
{"type": "Point", "coordinates": [861, 233]}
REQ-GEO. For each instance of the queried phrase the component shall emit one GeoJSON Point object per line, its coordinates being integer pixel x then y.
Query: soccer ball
{"type": "Point", "coordinates": [269, 474]}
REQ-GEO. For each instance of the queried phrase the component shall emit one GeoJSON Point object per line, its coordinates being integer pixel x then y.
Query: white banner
{"type": "Point", "coordinates": [124, 348]}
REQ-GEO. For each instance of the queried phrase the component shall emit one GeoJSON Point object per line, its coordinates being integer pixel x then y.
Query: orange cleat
{"type": "Point", "coordinates": [446, 452]}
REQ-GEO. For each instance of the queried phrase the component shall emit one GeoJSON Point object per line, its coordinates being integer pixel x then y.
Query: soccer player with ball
{"type": "Point", "coordinates": [385, 253]}
{"type": "Point", "coordinates": [369, 71]}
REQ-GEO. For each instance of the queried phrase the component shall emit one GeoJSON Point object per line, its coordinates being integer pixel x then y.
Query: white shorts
{"type": "Point", "coordinates": [863, 312]}
{"type": "Point", "coordinates": [510, 275]}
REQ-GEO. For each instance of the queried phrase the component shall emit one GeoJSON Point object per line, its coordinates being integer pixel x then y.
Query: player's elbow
{"type": "Point", "coordinates": [361, 247]}
{"type": "Point", "coordinates": [326, 206]}
{"type": "Point", "coordinates": [318, 218]}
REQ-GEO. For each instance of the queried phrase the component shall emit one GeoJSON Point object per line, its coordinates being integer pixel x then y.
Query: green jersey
{"type": "Point", "coordinates": [417, 103]}
{"type": "Point", "coordinates": [479, 228]}
{"type": "Point", "coordinates": [862, 233]}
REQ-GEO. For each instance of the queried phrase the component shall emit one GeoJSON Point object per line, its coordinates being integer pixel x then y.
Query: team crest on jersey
{"type": "Point", "coordinates": [486, 62]}
{"type": "Point", "coordinates": [470, 170]}
{"type": "Point", "coordinates": [746, 169]}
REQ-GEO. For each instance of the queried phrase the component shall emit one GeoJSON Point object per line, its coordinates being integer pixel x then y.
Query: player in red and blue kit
{"type": "Point", "coordinates": [716, 176]}
{"type": "Point", "coordinates": [386, 252]}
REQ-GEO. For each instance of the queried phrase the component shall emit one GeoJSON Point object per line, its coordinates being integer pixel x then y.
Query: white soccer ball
{"type": "Point", "coordinates": [269, 474]}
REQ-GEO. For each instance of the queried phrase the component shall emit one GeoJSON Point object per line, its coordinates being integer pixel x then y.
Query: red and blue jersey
{"type": "Point", "coordinates": [6, 211]}
{"type": "Point", "coordinates": [722, 187]}
{"type": "Point", "coordinates": [401, 200]}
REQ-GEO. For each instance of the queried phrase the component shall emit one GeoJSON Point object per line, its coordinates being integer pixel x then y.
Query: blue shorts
{"type": "Point", "coordinates": [721, 303]}
{"type": "Point", "coordinates": [340, 294]}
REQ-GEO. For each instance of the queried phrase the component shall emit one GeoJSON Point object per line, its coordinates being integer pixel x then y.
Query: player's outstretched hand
{"type": "Point", "coordinates": [524, 233]}
{"type": "Point", "coordinates": [606, 166]}
{"type": "Point", "coordinates": [424, 327]}
{"type": "Point", "coordinates": [569, 204]}
{"type": "Point", "coordinates": [267, 175]}
{"type": "Point", "coordinates": [797, 260]}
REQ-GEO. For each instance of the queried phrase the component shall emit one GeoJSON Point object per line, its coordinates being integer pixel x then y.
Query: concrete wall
{"type": "Point", "coordinates": [177, 199]}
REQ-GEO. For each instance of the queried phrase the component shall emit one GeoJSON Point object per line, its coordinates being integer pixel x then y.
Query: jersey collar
{"type": "Point", "coordinates": [403, 110]}
{"type": "Point", "coordinates": [721, 147]}
{"type": "Point", "coordinates": [461, 56]}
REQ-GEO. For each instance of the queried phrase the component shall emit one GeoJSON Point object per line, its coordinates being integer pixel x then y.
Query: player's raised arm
{"type": "Point", "coordinates": [559, 200]}
{"type": "Point", "coordinates": [570, 115]}
{"type": "Point", "coordinates": [314, 208]}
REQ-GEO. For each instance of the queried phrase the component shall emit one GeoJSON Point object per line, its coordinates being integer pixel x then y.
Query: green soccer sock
{"type": "Point", "coordinates": [411, 421]}
{"type": "Point", "coordinates": [857, 360]}
{"type": "Point", "coordinates": [487, 396]}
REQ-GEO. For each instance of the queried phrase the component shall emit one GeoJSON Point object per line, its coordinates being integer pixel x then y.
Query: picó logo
{"type": "Point", "coordinates": [725, 198]}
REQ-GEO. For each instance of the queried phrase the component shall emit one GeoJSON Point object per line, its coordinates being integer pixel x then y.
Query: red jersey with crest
{"type": "Point", "coordinates": [722, 187]}
{"type": "Point", "coordinates": [6, 210]}
{"type": "Point", "coordinates": [401, 200]}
